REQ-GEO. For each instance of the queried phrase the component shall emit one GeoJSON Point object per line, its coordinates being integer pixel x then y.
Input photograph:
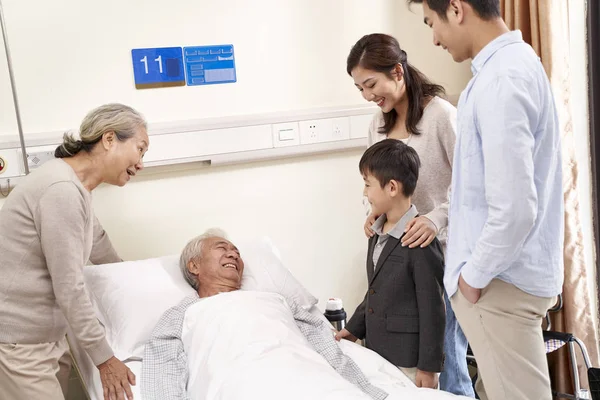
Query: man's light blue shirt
{"type": "Point", "coordinates": [506, 209]}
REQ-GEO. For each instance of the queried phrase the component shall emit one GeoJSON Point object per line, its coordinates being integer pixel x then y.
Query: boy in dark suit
{"type": "Point", "coordinates": [402, 316]}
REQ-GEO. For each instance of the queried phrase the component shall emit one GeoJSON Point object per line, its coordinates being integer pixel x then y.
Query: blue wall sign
{"type": "Point", "coordinates": [158, 67]}
{"type": "Point", "coordinates": [207, 65]}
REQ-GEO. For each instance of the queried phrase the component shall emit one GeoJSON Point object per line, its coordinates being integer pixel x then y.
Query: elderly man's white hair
{"type": "Point", "coordinates": [193, 251]}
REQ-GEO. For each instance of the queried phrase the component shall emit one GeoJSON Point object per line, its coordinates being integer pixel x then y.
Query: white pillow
{"type": "Point", "coordinates": [130, 297]}
{"type": "Point", "coordinates": [265, 272]}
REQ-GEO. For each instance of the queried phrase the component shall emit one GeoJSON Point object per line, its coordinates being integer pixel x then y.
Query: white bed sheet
{"type": "Point", "coordinates": [243, 345]}
{"type": "Point", "coordinates": [91, 377]}
{"type": "Point", "coordinates": [379, 371]}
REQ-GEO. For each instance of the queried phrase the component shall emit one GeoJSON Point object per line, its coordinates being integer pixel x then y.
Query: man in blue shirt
{"type": "Point", "coordinates": [505, 241]}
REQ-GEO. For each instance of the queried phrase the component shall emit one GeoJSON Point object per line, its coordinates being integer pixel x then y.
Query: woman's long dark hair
{"type": "Point", "coordinates": [381, 53]}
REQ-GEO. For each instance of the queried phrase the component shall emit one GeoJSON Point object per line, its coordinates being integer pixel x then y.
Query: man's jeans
{"type": "Point", "coordinates": [455, 377]}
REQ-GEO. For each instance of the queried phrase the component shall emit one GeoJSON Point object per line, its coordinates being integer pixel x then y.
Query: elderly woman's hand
{"type": "Point", "coordinates": [116, 380]}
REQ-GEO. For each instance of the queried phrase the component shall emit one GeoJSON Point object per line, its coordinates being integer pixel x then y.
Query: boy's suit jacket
{"type": "Point", "coordinates": [402, 316]}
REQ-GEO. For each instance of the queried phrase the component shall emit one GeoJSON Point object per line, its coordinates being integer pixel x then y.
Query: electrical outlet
{"type": "Point", "coordinates": [340, 129]}
{"type": "Point", "coordinates": [314, 131]}
{"type": "Point", "coordinates": [313, 136]}
{"type": "Point", "coordinates": [324, 130]}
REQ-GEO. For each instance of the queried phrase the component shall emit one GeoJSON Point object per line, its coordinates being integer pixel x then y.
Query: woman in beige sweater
{"type": "Point", "coordinates": [48, 232]}
{"type": "Point", "coordinates": [412, 110]}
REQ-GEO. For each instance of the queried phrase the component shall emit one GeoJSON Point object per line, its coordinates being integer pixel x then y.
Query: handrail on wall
{"type": "Point", "coordinates": [14, 89]}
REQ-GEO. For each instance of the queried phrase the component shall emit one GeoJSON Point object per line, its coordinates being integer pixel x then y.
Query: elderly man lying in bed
{"type": "Point", "coordinates": [224, 343]}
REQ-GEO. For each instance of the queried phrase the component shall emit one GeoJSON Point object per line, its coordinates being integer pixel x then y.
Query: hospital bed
{"type": "Point", "coordinates": [130, 297]}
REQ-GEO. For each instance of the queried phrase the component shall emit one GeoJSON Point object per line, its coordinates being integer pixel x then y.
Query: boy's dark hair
{"type": "Point", "coordinates": [381, 53]}
{"type": "Point", "coordinates": [486, 9]}
{"type": "Point", "coordinates": [392, 159]}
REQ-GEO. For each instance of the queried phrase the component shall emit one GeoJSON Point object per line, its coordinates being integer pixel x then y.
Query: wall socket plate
{"type": "Point", "coordinates": [285, 134]}
{"type": "Point", "coordinates": [324, 130]}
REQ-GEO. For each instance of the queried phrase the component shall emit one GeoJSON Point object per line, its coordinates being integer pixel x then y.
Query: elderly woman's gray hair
{"type": "Point", "coordinates": [193, 251]}
{"type": "Point", "coordinates": [123, 120]}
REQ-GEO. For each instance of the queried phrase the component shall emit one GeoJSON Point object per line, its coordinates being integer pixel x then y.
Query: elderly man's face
{"type": "Point", "coordinates": [220, 264]}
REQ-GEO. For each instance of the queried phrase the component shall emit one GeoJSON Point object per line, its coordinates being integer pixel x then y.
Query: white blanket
{"type": "Point", "coordinates": [247, 346]}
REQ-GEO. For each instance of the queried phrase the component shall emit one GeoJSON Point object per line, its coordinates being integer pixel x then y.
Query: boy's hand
{"type": "Point", "coordinates": [345, 334]}
{"type": "Point", "coordinates": [369, 223]}
{"type": "Point", "coordinates": [426, 379]}
{"type": "Point", "coordinates": [419, 231]}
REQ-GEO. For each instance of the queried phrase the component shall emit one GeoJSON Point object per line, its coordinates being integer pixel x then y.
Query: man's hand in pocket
{"type": "Point", "coordinates": [470, 293]}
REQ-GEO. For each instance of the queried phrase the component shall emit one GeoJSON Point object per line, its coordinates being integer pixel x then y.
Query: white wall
{"type": "Point", "coordinates": [290, 55]}
{"type": "Point", "coordinates": [71, 55]}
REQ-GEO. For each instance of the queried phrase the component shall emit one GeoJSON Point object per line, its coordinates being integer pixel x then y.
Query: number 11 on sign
{"type": "Point", "coordinates": [158, 60]}
{"type": "Point", "coordinates": [158, 67]}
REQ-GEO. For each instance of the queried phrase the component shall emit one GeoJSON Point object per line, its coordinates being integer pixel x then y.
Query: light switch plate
{"type": "Point", "coordinates": [286, 134]}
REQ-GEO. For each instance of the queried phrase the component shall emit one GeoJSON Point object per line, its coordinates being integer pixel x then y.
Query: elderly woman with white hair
{"type": "Point", "coordinates": [48, 232]}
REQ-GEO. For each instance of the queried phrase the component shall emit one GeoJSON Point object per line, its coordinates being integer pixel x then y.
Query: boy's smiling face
{"type": "Point", "coordinates": [379, 197]}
